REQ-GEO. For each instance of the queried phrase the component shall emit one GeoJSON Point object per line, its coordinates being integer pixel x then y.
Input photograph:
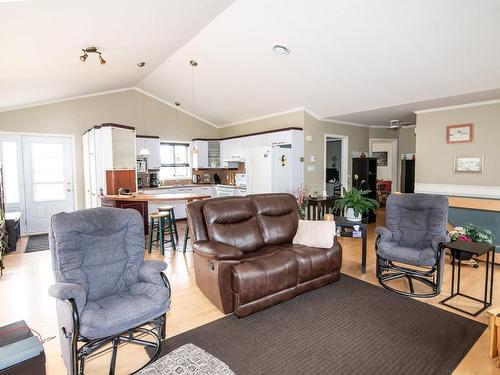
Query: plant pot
{"type": "Point", "coordinates": [350, 215]}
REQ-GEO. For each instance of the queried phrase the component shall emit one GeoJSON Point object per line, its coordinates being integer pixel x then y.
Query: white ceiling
{"type": "Point", "coordinates": [41, 41]}
{"type": "Point", "coordinates": [347, 56]}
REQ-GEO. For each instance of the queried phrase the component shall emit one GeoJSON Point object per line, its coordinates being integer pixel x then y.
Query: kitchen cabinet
{"type": "Point", "coordinates": [200, 156]}
{"type": "Point", "coordinates": [152, 144]}
{"type": "Point", "coordinates": [106, 147]}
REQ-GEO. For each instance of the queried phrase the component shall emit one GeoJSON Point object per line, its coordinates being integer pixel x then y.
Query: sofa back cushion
{"type": "Point", "coordinates": [233, 222]}
{"type": "Point", "coordinates": [278, 217]}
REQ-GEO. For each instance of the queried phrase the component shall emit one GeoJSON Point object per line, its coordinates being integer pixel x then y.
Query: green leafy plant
{"type": "Point", "coordinates": [356, 199]}
{"type": "Point", "coordinates": [472, 233]}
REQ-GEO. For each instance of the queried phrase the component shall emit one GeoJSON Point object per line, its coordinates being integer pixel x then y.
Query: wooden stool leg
{"type": "Point", "coordinates": [172, 216]}
{"type": "Point", "coordinates": [151, 233]}
{"type": "Point", "coordinates": [186, 236]}
{"type": "Point", "coordinates": [161, 234]}
{"type": "Point", "coordinates": [171, 233]}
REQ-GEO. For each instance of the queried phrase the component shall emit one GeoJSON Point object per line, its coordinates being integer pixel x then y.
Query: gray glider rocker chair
{"type": "Point", "coordinates": [105, 290]}
{"type": "Point", "coordinates": [410, 244]}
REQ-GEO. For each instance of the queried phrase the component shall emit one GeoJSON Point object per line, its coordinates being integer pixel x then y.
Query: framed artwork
{"type": "Point", "coordinates": [469, 164]}
{"type": "Point", "coordinates": [381, 158]}
{"type": "Point", "coordinates": [459, 133]}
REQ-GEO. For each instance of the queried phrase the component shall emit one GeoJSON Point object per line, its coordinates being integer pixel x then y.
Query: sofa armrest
{"type": "Point", "coordinates": [384, 233]}
{"type": "Point", "coordinates": [217, 250]}
{"type": "Point", "coordinates": [150, 271]}
{"type": "Point", "coordinates": [66, 291]}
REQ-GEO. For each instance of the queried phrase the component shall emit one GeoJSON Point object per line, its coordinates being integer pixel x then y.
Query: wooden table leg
{"type": "Point", "coordinates": [494, 332]}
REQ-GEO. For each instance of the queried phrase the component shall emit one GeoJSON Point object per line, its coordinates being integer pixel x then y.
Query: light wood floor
{"type": "Point", "coordinates": [23, 291]}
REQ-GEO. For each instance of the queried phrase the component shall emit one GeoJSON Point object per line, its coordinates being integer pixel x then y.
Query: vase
{"type": "Point", "coordinates": [350, 215]}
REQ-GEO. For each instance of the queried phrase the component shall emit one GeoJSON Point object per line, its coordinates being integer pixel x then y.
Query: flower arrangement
{"type": "Point", "coordinates": [472, 233]}
{"type": "Point", "coordinates": [299, 194]}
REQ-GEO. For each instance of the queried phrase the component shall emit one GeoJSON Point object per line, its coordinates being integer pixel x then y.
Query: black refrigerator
{"type": "Point", "coordinates": [407, 176]}
{"type": "Point", "coordinates": [366, 169]}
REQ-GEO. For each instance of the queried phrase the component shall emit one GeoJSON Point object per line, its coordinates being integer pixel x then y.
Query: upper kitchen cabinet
{"type": "Point", "coordinates": [152, 145]}
{"type": "Point", "coordinates": [200, 154]}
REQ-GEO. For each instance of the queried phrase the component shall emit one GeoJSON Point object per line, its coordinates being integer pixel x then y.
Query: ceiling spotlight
{"type": "Point", "coordinates": [280, 50]}
{"type": "Point", "coordinates": [141, 64]}
{"type": "Point", "coordinates": [88, 50]}
{"type": "Point", "coordinates": [177, 104]}
{"type": "Point", "coordinates": [193, 63]}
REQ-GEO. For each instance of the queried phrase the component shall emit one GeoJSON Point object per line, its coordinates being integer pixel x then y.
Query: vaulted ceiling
{"type": "Point", "coordinates": [346, 56]}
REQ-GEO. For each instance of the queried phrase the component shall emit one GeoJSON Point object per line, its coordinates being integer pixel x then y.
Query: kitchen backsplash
{"type": "Point", "coordinates": [226, 175]}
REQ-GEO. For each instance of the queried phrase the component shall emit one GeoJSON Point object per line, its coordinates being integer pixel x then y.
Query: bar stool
{"type": "Point", "coordinates": [186, 237]}
{"type": "Point", "coordinates": [162, 223]}
{"type": "Point", "coordinates": [170, 210]}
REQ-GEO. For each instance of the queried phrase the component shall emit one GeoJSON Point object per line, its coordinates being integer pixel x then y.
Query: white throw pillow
{"type": "Point", "coordinates": [315, 233]}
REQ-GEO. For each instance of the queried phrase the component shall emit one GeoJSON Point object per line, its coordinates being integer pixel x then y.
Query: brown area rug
{"type": "Point", "coordinates": [348, 327]}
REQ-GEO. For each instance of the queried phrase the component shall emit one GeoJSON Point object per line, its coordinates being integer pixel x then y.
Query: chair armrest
{"type": "Point", "coordinates": [66, 291]}
{"type": "Point", "coordinates": [150, 271]}
{"type": "Point", "coordinates": [217, 250]}
{"type": "Point", "coordinates": [384, 233]}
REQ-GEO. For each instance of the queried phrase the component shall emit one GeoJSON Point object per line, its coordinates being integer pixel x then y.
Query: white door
{"type": "Point", "coordinates": [48, 179]}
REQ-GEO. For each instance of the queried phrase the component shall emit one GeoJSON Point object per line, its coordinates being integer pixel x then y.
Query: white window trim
{"type": "Point", "coordinates": [190, 160]}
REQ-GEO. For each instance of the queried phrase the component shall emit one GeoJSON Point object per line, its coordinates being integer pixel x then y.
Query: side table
{"type": "Point", "coordinates": [458, 247]}
{"type": "Point", "coordinates": [342, 223]}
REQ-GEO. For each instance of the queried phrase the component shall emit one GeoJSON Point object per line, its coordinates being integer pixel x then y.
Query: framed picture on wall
{"type": "Point", "coordinates": [469, 164]}
{"type": "Point", "coordinates": [459, 133]}
{"type": "Point", "coordinates": [381, 158]}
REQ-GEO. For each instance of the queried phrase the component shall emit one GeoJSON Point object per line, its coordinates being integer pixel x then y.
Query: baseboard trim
{"type": "Point", "coordinates": [488, 192]}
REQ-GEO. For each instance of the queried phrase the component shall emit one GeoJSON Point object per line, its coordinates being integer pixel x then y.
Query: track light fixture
{"type": "Point", "coordinates": [88, 50]}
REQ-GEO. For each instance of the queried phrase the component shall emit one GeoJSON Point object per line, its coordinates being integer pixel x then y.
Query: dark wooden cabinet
{"type": "Point", "coordinates": [407, 176]}
{"type": "Point", "coordinates": [366, 170]}
{"type": "Point", "coordinates": [141, 206]}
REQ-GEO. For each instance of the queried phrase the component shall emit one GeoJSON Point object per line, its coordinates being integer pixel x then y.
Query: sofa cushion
{"type": "Point", "coordinates": [233, 222]}
{"type": "Point", "coordinates": [314, 262]}
{"type": "Point", "coordinates": [277, 215]}
{"type": "Point", "coordinates": [315, 233]}
{"type": "Point", "coordinates": [264, 275]}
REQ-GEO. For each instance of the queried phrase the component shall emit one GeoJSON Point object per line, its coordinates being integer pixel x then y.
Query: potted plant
{"type": "Point", "coordinates": [471, 233]}
{"type": "Point", "coordinates": [355, 201]}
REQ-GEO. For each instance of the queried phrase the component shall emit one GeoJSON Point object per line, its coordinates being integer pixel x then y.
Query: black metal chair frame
{"type": "Point", "coordinates": [387, 270]}
{"type": "Point", "coordinates": [89, 347]}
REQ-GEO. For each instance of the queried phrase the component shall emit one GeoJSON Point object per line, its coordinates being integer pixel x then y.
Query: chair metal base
{"type": "Point", "coordinates": [387, 270]}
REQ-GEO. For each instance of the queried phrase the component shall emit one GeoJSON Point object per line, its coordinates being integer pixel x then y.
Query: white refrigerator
{"type": "Point", "coordinates": [269, 170]}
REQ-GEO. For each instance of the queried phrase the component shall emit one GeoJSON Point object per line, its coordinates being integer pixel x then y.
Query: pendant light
{"type": "Point", "coordinates": [144, 150]}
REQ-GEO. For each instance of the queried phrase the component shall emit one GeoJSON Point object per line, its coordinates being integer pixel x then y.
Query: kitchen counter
{"type": "Point", "coordinates": [193, 186]}
{"type": "Point", "coordinates": [154, 197]}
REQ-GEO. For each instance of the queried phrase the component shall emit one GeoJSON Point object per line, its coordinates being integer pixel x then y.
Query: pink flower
{"type": "Point", "coordinates": [464, 238]}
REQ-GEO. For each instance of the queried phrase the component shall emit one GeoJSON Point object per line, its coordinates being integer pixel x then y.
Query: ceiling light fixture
{"type": "Point", "coordinates": [144, 150]}
{"type": "Point", "coordinates": [88, 50]}
{"type": "Point", "coordinates": [280, 50]}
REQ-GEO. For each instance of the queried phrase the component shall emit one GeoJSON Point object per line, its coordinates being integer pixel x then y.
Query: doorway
{"type": "Point", "coordinates": [38, 176]}
{"type": "Point", "coordinates": [336, 163]}
{"type": "Point", "coordinates": [386, 151]}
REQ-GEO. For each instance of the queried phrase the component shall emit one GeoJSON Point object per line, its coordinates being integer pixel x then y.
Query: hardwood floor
{"type": "Point", "coordinates": [27, 277]}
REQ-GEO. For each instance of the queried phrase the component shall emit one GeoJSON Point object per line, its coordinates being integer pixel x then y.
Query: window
{"type": "Point", "coordinates": [174, 161]}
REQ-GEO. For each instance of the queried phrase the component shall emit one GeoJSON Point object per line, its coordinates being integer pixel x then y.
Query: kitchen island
{"type": "Point", "coordinates": [141, 202]}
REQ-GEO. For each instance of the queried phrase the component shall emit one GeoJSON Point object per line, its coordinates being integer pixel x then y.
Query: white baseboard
{"type": "Point", "coordinates": [491, 192]}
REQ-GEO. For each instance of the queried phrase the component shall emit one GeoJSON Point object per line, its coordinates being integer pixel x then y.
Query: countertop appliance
{"type": "Point", "coordinates": [240, 179]}
{"type": "Point", "coordinates": [154, 182]}
{"type": "Point", "coordinates": [196, 179]}
{"type": "Point", "coordinates": [217, 179]}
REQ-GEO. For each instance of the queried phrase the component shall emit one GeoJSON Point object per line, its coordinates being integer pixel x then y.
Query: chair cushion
{"type": "Point", "coordinates": [264, 275]}
{"type": "Point", "coordinates": [234, 223]}
{"type": "Point", "coordinates": [118, 313]}
{"type": "Point", "coordinates": [314, 262]}
{"type": "Point", "coordinates": [416, 257]}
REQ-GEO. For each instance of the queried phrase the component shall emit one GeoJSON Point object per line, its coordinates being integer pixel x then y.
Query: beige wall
{"type": "Point", "coordinates": [294, 119]}
{"type": "Point", "coordinates": [384, 133]}
{"type": "Point", "coordinates": [75, 116]}
{"type": "Point", "coordinates": [435, 157]}
{"type": "Point", "coordinates": [407, 140]}
{"type": "Point", "coordinates": [358, 139]}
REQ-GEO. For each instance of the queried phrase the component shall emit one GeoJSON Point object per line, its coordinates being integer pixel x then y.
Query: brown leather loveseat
{"type": "Point", "coordinates": [244, 258]}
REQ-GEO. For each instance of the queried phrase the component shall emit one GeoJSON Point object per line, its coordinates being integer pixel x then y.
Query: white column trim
{"type": "Point", "coordinates": [491, 192]}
